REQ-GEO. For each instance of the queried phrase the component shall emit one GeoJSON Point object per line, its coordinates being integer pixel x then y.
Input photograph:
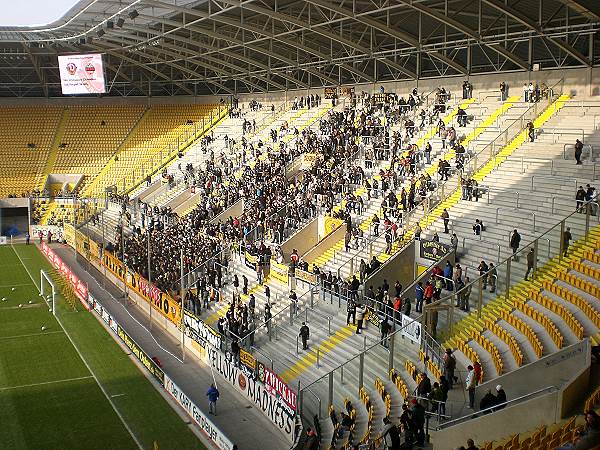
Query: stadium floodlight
{"type": "Point", "coordinates": [101, 32]}
{"type": "Point", "coordinates": [52, 302]}
{"type": "Point", "coordinates": [120, 22]}
{"type": "Point", "coordinates": [133, 14]}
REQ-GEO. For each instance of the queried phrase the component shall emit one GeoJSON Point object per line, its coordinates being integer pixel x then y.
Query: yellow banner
{"type": "Point", "coordinates": [160, 301]}
{"type": "Point", "coordinates": [279, 271]}
{"type": "Point", "coordinates": [69, 234]}
{"type": "Point", "coordinates": [331, 225]}
{"type": "Point", "coordinates": [247, 359]}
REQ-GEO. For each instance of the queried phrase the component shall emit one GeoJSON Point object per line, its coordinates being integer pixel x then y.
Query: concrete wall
{"type": "Point", "coordinates": [191, 201]}
{"type": "Point", "coordinates": [401, 267]}
{"type": "Point", "coordinates": [303, 240]}
{"type": "Point", "coordinates": [580, 81]}
{"type": "Point", "coordinates": [556, 369]}
{"type": "Point", "coordinates": [521, 417]}
{"type": "Point", "coordinates": [326, 243]}
{"type": "Point", "coordinates": [235, 210]}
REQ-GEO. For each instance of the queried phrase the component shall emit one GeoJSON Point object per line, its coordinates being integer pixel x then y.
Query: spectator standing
{"type": "Point", "coordinates": [580, 198]}
{"type": "Point", "coordinates": [213, 396]}
{"type": "Point", "coordinates": [449, 367]}
{"type": "Point", "coordinates": [530, 262]}
{"type": "Point", "coordinates": [500, 398]}
{"type": "Point", "coordinates": [515, 241]}
{"type": "Point", "coordinates": [470, 386]}
{"type": "Point", "coordinates": [578, 151]}
{"type": "Point", "coordinates": [446, 217]}
{"type": "Point", "coordinates": [567, 236]}
{"type": "Point", "coordinates": [361, 310]}
{"type": "Point", "coordinates": [304, 335]}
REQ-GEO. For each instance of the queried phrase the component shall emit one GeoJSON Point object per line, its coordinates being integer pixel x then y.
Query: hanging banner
{"type": "Point", "coordinates": [411, 328]}
{"type": "Point", "coordinates": [331, 224]}
{"type": "Point", "coordinates": [160, 301]}
{"type": "Point", "coordinates": [330, 92]}
{"type": "Point", "coordinates": [279, 272]}
{"type": "Point", "coordinates": [307, 277]}
{"type": "Point", "coordinates": [433, 250]}
{"type": "Point", "coordinates": [250, 260]}
{"type": "Point", "coordinates": [206, 425]}
{"type": "Point", "coordinates": [277, 387]}
{"type": "Point", "coordinates": [273, 407]}
{"type": "Point", "coordinates": [199, 332]}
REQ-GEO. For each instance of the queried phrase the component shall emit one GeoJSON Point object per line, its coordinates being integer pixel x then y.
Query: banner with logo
{"type": "Point", "coordinates": [141, 356]}
{"type": "Point", "coordinates": [95, 306]}
{"type": "Point", "coordinates": [277, 387]}
{"type": "Point", "coordinates": [199, 332]}
{"type": "Point", "coordinates": [307, 277]}
{"type": "Point", "coordinates": [159, 300]}
{"type": "Point", "coordinates": [58, 233]}
{"type": "Point", "coordinates": [279, 272]}
{"type": "Point", "coordinates": [411, 329]}
{"type": "Point", "coordinates": [205, 424]}
{"type": "Point", "coordinates": [331, 225]}
{"type": "Point", "coordinates": [433, 250]}
{"type": "Point", "coordinates": [272, 406]}
{"type": "Point", "coordinates": [69, 234]}
{"type": "Point", "coordinates": [250, 260]}
{"type": "Point", "coordinates": [79, 287]}
{"type": "Point", "coordinates": [330, 92]}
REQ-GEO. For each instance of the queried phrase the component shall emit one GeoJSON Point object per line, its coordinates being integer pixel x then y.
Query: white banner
{"type": "Point", "coordinates": [411, 328]}
{"type": "Point", "coordinates": [272, 406]}
{"type": "Point", "coordinates": [205, 424]}
{"type": "Point", "coordinates": [3, 240]}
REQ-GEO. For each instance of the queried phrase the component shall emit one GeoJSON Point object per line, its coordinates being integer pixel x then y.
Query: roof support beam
{"type": "Point", "coordinates": [38, 70]}
{"type": "Point", "coordinates": [473, 34]}
{"type": "Point", "coordinates": [585, 11]}
{"type": "Point", "coordinates": [531, 25]}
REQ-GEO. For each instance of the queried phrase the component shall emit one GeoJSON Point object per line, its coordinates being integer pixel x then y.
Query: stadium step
{"type": "Point", "coordinates": [56, 145]}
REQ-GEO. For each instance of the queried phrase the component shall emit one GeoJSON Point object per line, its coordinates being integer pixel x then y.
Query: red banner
{"type": "Point", "coordinates": [79, 286]}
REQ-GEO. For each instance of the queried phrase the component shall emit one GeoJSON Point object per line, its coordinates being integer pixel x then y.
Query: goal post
{"type": "Point", "coordinates": [45, 278]}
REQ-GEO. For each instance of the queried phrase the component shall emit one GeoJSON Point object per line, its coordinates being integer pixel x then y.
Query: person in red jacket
{"type": "Point", "coordinates": [428, 294]}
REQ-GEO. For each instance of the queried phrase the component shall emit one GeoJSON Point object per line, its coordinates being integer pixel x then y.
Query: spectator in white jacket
{"type": "Point", "coordinates": [361, 311]}
{"type": "Point", "coordinates": [470, 385]}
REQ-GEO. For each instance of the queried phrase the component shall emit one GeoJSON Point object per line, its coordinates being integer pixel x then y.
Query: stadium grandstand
{"type": "Point", "coordinates": [301, 225]}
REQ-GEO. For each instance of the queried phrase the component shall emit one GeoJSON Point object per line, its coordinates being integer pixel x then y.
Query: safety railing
{"type": "Point", "coordinates": [481, 241]}
{"type": "Point", "coordinates": [586, 147]}
{"type": "Point", "coordinates": [491, 409]}
{"type": "Point", "coordinates": [515, 209]}
{"type": "Point", "coordinates": [510, 272]}
{"type": "Point", "coordinates": [155, 163]}
{"type": "Point", "coordinates": [525, 161]}
{"type": "Point", "coordinates": [554, 132]}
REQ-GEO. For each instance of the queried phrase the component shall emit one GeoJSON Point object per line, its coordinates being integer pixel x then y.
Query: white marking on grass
{"type": "Point", "coordinates": [44, 383]}
{"type": "Point", "coordinates": [117, 395]}
{"type": "Point", "coordinates": [133, 436]}
{"type": "Point", "coordinates": [18, 336]}
{"type": "Point", "coordinates": [14, 285]}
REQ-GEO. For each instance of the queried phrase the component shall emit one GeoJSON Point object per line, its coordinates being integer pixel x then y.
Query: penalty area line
{"type": "Point", "coordinates": [44, 383]}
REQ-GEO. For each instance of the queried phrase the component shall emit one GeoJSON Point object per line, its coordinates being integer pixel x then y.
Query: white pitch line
{"type": "Point", "coordinates": [66, 380]}
{"type": "Point", "coordinates": [13, 285]}
{"type": "Point", "coordinates": [18, 336]}
{"type": "Point", "coordinates": [127, 427]}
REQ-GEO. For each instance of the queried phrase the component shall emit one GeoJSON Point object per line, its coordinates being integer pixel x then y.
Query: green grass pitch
{"type": "Point", "coordinates": [49, 399]}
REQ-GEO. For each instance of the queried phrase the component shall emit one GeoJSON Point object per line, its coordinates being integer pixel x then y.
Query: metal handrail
{"type": "Point", "coordinates": [515, 209]}
{"type": "Point", "coordinates": [588, 146]}
{"type": "Point", "coordinates": [511, 402]}
{"type": "Point", "coordinates": [551, 176]}
{"type": "Point", "coordinates": [482, 241]}
{"type": "Point", "coordinates": [559, 131]}
{"type": "Point", "coordinates": [263, 354]}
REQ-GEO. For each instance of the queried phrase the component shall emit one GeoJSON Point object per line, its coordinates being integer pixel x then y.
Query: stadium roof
{"type": "Point", "coordinates": [174, 47]}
